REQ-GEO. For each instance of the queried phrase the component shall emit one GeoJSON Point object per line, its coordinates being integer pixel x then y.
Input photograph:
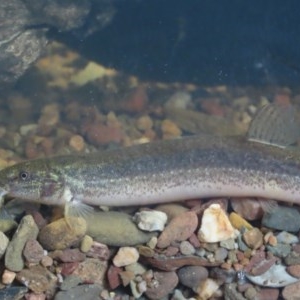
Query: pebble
{"type": "Point", "coordinates": [191, 276]}
{"type": "Point", "coordinates": [37, 279]}
{"type": "Point", "coordinates": [292, 258]}
{"type": "Point", "coordinates": [221, 254]}
{"type": "Point", "coordinates": [207, 288]}
{"type": "Point", "coordinates": [247, 208]}
{"type": "Point", "coordinates": [144, 123]}
{"type": "Point", "coordinates": [282, 218]}
{"type": "Point", "coordinates": [223, 275]}
{"type": "Point", "coordinates": [62, 233]}
{"type": "Point", "coordinates": [253, 238]}
{"type": "Point", "coordinates": [99, 250]}
{"type": "Point", "coordinates": [7, 225]}
{"type": "Point", "coordinates": [84, 291]}
{"type": "Point", "coordinates": [8, 277]}
{"type": "Point", "coordinates": [46, 261]}
{"type": "Point", "coordinates": [113, 276]}
{"type": "Point", "coordinates": [267, 294]}
{"type": "Point", "coordinates": [71, 255]}
{"type": "Point", "coordinates": [287, 238]}
{"type": "Point", "coordinates": [13, 292]}
{"type": "Point", "coordinates": [33, 252]}
{"type": "Point", "coordinates": [215, 225]}
{"type": "Point", "coordinates": [126, 256]}
{"type": "Point", "coordinates": [91, 270]}
{"type": "Point", "coordinates": [70, 282]}
{"type": "Point", "coordinates": [228, 244]}
{"type": "Point", "coordinates": [27, 229]}
{"type": "Point", "coordinates": [162, 285]}
{"type": "Point", "coordinates": [172, 210]}
{"type": "Point", "coordinates": [151, 220]}
{"type": "Point", "coordinates": [238, 222]}
{"type": "Point", "coordinates": [86, 243]}
{"type": "Point", "coordinates": [280, 250]}
{"type": "Point", "coordinates": [179, 229]}
{"type": "Point", "coordinates": [3, 243]}
{"type": "Point", "coordinates": [294, 270]}
{"type": "Point", "coordinates": [123, 232]}
{"type": "Point", "coordinates": [170, 129]}
{"type": "Point", "coordinates": [186, 248]}
{"type": "Point", "coordinates": [77, 142]}
{"type": "Point", "coordinates": [291, 292]}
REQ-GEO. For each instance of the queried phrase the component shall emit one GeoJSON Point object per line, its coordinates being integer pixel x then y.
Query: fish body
{"type": "Point", "coordinates": [191, 167]}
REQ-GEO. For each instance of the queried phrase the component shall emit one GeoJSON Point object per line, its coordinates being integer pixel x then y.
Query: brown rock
{"type": "Point", "coordinates": [294, 270]}
{"type": "Point", "coordinates": [68, 268]}
{"type": "Point", "coordinates": [62, 233]}
{"type": "Point", "coordinates": [33, 252]}
{"type": "Point", "coordinates": [291, 292]}
{"type": "Point", "coordinates": [37, 278]}
{"type": "Point", "coordinates": [98, 250]}
{"type": "Point", "coordinates": [179, 229]}
{"type": "Point", "coordinates": [250, 209]}
{"type": "Point", "coordinates": [34, 296]}
{"type": "Point", "coordinates": [163, 283]}
{"type": "Point", "coordinates": [113, 276]}
{"type": "Point", "coordinates": [91, 270]}
{"type": "Point", "coordinates": [253, 238]}
{"type": "Point", "coordinates": [71, 255]}
{"type": "Point", "coordinates": [267, 294]}
{"type": "Point", "coordinates": [8, 277]}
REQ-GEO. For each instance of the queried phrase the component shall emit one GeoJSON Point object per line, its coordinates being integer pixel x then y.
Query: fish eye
{"type": "Point", "coordinates": [23, 175]}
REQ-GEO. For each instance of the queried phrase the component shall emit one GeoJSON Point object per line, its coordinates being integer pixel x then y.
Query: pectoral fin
{"type": "Point", "coordinates": [275, 124]}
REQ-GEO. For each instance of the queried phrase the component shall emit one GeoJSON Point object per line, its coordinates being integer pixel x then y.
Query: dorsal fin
{"type": "Point", "coordinates": [275, 124]}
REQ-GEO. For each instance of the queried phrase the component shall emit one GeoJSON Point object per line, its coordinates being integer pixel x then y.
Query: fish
{"type": "Point", "coordinates": [265, 163]}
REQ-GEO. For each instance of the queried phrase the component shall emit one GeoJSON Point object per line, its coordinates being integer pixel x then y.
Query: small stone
{"type": "Point", "coordinates": [37, 278]}
{"type": "Point", "coordinates": [280, 250]}
{"type": "Point", "coordinates": [3, 243]}
{"type": "Point", "coordinates": [151, 220]}
{"type": "Point", "coordinates": [146, 251]}
{"type": "Point", "coordinates": [238, 222]}
{"type": "Point", "coordinates": [144, 123]}
{"type": "Point", "coordinates": [291, 292]}
{"type": "Point", "coordinates": [33, 252]}
{"type": "Point", "coordinates": [250, 293]}
{"type": "Point", "coordinates": [34, 296]}
{"type": "Point", "coordinates": [292, 258]}
{"type": "Point", "coordinates": [207, 288]}
{"type": "Point", "coordinates": [170, 129]}
{"type": "Point", "coordinates": [221, 254]}
{"type": "Point", "coordinates": [267, 294]}
{"type": "Point", "coordinates": [294, 270]}
{"type": "Point", "coordinates": [248, 208]}
{"type": "Point", "coordinates": [282, 218]}
{"type": "Point", "coordinates": [70, 282]}
{"type": "Point", "coordinates": [171, 209]}
{"type": "Point", "coordinates": [8, 277]}
{"type": "Point", "coordinates": [46, 261]}
{"type": "Point", "coordinates": [223, 275]}
{"type": "Point", "coordinates": [127, 277]}
{"type": "Point", "coordinates": [186, 248]}
{"type": "Point", "coordinates": [123, 233]}
{"type": "Point", "coordinates": [228, 244]}
{"type": "Point", "coordinates": [126, 256]}
{"type": "Point", "coordinates": [113, 276]}
{"type": "Point", "coordinates": [77, 142]}
{"type": "Point", "coordinates": [86, 243]}
{"type": "Point", "coordinates": [7, 225]}
{"type": "Point", "coordinates": [14, 256]}
{"type": "Point", "coordinates": [253, 238]}
{"type": "Point", "coordinates": [162, 284]}
{"type": "Point", "coordinates": [191, 276]}
{"type": "Point", "coordinates": [99, 250]}
{"type": "Point", "coordinates": [215, 225]}
{"type": "Point", "coordinates": [62, 233]}
{"type": "Point", "coordinates": [287, 238]}
{"type": "Point", "coordinates": [179, 229]}
{"type": "Point", "coordinates": [71, 255]}
{"type": "Point", "coordinates": [84, 291]}
{"type": "Point", "coordinates": [91, 270]}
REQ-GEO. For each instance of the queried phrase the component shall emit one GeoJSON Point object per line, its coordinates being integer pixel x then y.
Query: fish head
{"type": "Point", "coordinates": [31, 181]}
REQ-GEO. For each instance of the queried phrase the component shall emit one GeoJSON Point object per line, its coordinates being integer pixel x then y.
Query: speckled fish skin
{"type": "Point", "coordinates": [191, 167]}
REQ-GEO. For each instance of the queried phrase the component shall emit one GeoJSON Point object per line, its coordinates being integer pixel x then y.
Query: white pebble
{"type": "Point", "coordinates": [152, 220]}
{"type": "Point", "coordinates": [126, 256]}
{"type": "Point", "coordinates": [215, 225]}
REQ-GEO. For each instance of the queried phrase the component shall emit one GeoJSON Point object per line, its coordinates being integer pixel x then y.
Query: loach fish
{"type": "Point", "coordinates": [262, 164]}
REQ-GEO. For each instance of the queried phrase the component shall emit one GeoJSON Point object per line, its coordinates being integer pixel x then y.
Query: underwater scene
{"type": "Point", "coordinates": [149, 150]}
